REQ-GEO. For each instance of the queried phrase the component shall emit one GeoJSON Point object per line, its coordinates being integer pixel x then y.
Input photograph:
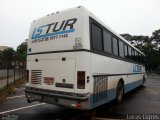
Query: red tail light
{"type": "Point", "coordinates": [27, 76]}
{"type": "Point", "coordinates": [81, 79]}
{"type": "Point", "coordinates": [78, 106]}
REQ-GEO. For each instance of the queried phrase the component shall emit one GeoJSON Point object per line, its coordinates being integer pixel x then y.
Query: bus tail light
{"type": "Point", "coordinates": [27, 76]}
{"type": "Point", "coordinates": [78, 106]}
{"type": "Point", "coordinates": [81, 79]}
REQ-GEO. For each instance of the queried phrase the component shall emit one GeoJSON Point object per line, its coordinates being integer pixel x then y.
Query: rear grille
{"type": "Point", "coordinates": [100, 88]}
{"type": "Point", "coordinates": [36, 76]}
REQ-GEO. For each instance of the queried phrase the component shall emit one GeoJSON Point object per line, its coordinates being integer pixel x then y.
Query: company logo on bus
{"type": "Point", "coordinates": [53, 30]}
{"type": "Point", "coordinates": [137, 68]}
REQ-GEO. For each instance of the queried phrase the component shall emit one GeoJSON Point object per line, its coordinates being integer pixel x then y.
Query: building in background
{"type": "Point", "coordinates": [2, 48]}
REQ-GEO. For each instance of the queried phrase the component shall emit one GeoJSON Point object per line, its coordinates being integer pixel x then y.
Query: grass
{"type": "Point", "coordinates": [4, 92]}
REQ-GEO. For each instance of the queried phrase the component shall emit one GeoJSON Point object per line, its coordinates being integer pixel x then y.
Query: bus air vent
{"type": "Point", "coordinates": [36, 76]}
{"type": "Point", "coordinates": [100, 88]}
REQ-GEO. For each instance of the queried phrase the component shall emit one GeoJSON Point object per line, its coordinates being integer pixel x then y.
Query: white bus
{"type": "Point", "coordinates": [75, 60]}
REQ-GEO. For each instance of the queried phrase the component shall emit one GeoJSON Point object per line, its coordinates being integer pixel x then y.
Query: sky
{"type": "Point", "coordinates": [136, 17]}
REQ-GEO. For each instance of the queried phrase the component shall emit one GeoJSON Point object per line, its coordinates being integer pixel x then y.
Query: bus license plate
{"type": "Point", "coordinates": [49, 99]}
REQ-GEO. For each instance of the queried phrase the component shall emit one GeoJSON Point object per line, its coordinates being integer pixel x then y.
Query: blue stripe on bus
{"type": "Point", "coordinates": [111, 94]}
{"type": "Point", "coordinates": [53, 34]}
{"type": "Point", "coordinates": [131, 86]}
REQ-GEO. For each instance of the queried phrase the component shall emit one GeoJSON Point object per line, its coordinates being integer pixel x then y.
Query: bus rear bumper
{"type": "Point", "coordinates": [77, 102]}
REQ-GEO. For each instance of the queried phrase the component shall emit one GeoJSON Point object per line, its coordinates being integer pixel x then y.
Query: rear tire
{"type": "Point", "coordinates": [119, 92]}
{"type": "Point", "coordinates": [144, 80]}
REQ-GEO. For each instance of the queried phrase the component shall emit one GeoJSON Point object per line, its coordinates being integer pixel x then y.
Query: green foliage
{"type": "Point", "coordinates": [148, 45]}
{"type": "Point", "coordinates": [6, 57]}
{"type": "Point", "coordinates": [22, 51]}
{"type": "Point", "coordinates": [156, 37]}
{"type": "Point", "coordinates": [8, 54]}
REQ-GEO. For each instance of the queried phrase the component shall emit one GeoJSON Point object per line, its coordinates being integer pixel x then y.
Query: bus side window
{"type": "Point", "coordinates": [121, 49]}
{"type": "Point", "coordinates": [96, 34]}
{"type": "Point", "coordinates": [115, 46]}
{"type": "Point", "coordinates": [139, 57]}
{"type": "Point", "coordinates": [133, 54]}
{"type": "Point", "coordinates": [107, 41]}
{"type": "Point", "coordinates": [125, 51]}
{"type": "Point", "coordinates": [136, 56]}
{"type": "Point", "coordinates": [129, 53]}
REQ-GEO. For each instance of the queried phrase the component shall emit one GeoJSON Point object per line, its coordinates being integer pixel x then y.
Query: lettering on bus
{"type": "Point", "coordinates": [137, 68]}
{"type": "Point", "coordinates": [53, 30]}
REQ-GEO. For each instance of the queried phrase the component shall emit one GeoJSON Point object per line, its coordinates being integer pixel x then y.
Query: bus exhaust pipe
{"type": "Point", "coordinates": [29, 100]}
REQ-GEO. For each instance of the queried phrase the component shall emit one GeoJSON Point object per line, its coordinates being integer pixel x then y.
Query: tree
{"type": "Point", "coordinates": [1, 60]}
{"type": "Point", "coordinates": [127, 36]}
{"type": "Point", "coordinates": [7, 56]}
{"type": "Point", "coordinates": [21, 53]}
{"type": "Point", "coordinates": [156, 37]}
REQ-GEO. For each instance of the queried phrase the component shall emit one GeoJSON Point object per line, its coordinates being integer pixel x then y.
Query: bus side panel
{"type": "Point", "coordinates": [113, 70]}
{"type": "Point", "coordinates": [105, 66]}
{"type": "Point", "coordinates": [135, 79]}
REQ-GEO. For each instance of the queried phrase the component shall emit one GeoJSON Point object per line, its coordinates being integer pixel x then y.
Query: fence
{"type": "Point", "coordinates": [11, 74]}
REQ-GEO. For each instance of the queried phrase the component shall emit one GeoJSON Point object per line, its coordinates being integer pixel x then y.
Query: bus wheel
{"type": "Point", "coordinates": [119, 92]}
{"type": "Point", "coordinates": [144, 80]}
